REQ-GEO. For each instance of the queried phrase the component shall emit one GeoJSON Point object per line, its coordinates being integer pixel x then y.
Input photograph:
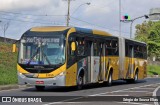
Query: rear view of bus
{"type": "Point", "coordinates": [41, 60]}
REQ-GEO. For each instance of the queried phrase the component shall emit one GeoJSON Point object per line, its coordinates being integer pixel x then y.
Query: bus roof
{"type": "Point", "coordinates": [78, 29]}
{"type": "Point", "coordinates": [63, 28]}
{"type": "Point", "coordinates": [134, 40]}
{"type": "Point", "coordinates": [49, 28]}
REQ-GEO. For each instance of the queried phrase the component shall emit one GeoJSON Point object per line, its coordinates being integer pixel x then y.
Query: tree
{"type": "Point", "coordinates": [149, 32]}
{"type": "Point", "coordinates": [154, 39]}
{"type": "Point", "coordinates": [4, 28]}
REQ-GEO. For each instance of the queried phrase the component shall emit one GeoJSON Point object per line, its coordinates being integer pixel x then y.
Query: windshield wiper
{"type": "Point", "coordinates": [46, 57]}
{"type": "Point", "coordinates": [37, 50]}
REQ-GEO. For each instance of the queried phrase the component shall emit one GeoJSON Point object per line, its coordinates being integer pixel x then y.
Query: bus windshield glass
{"type": "Point", "coordinates": [42, 50]}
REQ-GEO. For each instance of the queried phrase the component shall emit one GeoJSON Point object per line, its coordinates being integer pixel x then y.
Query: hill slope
{"type": "Point", "coordinates": [8, 73]}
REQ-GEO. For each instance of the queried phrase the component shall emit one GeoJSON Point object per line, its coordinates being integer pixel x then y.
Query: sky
{"type": "Point", "coordinates": [21, 15]}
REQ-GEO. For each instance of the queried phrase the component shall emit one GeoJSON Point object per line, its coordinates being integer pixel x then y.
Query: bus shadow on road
{"type": "Point", "coordinates": [85, 87]}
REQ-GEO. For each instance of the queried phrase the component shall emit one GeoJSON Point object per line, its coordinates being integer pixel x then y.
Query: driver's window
{"type": "Point", "coordinates": [71, 54]}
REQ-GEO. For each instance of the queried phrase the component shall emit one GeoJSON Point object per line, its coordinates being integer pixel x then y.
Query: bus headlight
{"type": "Point", "coordinates": [21, 75]}
{"type": "Point", "coordinates": [62, 73]}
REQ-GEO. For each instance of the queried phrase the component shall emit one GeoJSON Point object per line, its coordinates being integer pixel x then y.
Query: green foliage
{"type": "Point", "coordinates": [8, 62]}
{"type": "Point", "coordinates": [149, 32]}
{"type": "Point", "coordinates": [153, 70]}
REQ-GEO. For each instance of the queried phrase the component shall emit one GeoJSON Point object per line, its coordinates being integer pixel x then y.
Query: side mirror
{"type": "Point", "coordinates": [73, 46]}
{"type": "Point", "coordinates": [14, 48]}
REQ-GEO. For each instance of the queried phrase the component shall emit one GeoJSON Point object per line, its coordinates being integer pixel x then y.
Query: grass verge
{"type": "Point", "coordinates": [8, 60]}
{"type": "Point", "coordinates": [153, 70]}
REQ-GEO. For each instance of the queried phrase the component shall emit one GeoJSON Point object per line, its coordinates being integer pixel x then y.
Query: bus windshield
{"type": "Point", "coordinates": [42, 50]}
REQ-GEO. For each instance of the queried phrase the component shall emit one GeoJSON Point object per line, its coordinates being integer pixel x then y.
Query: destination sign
{"type": "Point", "coordinates": [42, 40]}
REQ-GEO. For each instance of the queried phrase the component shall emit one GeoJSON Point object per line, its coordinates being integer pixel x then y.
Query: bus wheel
{"type": "Point", "coordinates": [109, 82]}
{"type": "Point", "coordinates": [134, 80]}
{"type": "Point", "coordinates": [40, 88]}
{"type": "Point", "coordinates": [80, 83]}
{"type": "Point", "coordinates": [136, 77]}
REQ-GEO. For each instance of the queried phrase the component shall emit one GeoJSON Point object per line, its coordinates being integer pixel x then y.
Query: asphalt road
{"type": "Point", "coordinates": [120, 93]}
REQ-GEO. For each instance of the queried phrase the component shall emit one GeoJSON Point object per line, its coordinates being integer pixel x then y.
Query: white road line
{"type": "Point", "coordinates": [124, 89]}
{"type": "Point", "coordinates": [63, 101]}
{"type": "Point", "coordinates": [134, 103]}
{"type": "Point", "coordinates": [115, 95]}
{"type": "Point", "coordinates": [68, 103]}
{"type": "Point", "coordinates": [149, 93]}
{"type": "Point", "coordinates": [154, 94]}
{"type": "Point", "coordinates": [148, 88]}
{"type": "Point", "coordinates": [135, 91]}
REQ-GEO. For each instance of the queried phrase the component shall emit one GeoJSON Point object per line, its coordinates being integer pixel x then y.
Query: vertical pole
{"type": "Point", "coordinates": [120, 43]}
{"type": "Point", "coordinates": [68, 14]}
{"type": "Point", "coordinates": [120, 18]}
{"type": "Point", "coordinates": [4, 36]}
{"type": "Point", "coordinates": [131, 29]}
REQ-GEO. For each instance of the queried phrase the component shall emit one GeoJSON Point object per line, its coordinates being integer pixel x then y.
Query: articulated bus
{"type": "Point", "coordinates": [73, 56]}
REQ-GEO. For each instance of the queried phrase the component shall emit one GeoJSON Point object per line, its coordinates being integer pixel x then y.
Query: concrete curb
{"type": "Point", "coordinates": [9, 87]}
{"type": "Point", "coordinates": [153, 76]}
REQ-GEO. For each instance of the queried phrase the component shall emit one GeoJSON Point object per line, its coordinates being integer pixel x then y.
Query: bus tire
{"type": "Point", "coordinates": [134, 80]}
{"type": "Point", "coordinates": [109, 82]}
{"type": "Point", "coordinates": [135, 77]}
{"type": "Point", "coordinates": [40, 88]}
{"type": "Point", "coordinates": [80, 82]}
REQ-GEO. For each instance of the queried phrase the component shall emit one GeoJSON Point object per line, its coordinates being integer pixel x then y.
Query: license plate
{"type": "Point", "coordinates": [39, 82]}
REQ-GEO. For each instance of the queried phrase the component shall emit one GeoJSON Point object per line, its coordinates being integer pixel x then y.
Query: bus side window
{"type": "Point", "coordinates": [95, 45]}
{"type": "Point", "coordinates": [144, 52]}
{"type": "Point", "coordinates": [109, 47]}
{"type": "Point", "coordinates": [126, 49]}
{"type": "Point", "coordinates": [141, 52]}
{"type": "Point", "coordinates": [136, 51]}
{"type": "Point", "coordinates": [87, 50]}
{"type": "Point", "coordinates": [106, 51]}
{"type": "Point", "coordinates": [80, 46]}
{"type": "Point", "coordinates": [115, 47]}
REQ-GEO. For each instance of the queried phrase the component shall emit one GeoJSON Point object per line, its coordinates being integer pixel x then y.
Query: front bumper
{"type": "Point", "coordinates": [56, 81]}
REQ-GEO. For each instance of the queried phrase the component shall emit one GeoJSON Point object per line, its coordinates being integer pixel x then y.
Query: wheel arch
{"type": "Point", "coordinates": [81, 72]}
{"type": "Point", "coordinates": [136, 70]}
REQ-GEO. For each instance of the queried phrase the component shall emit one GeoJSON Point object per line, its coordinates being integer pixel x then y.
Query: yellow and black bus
{"type": "Point", "coordinates": [73, 56]}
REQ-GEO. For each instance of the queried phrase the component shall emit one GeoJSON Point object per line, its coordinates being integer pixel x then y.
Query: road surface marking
{"type": "Point", "coordinates": [154, 94]}
{"type": "Point", "coordinates": [115, 95]}
{"type": "Point", "coordinates": [106, 93]}
{"type": "Point", "coordinates": [124, 89]}
{"type": "Point", "coordinates": [68, 103]}
{"type": "Point", "coordinates": [148, 88]}
{"type": "Point", "coordinates": [63, 101]}
{"type": "Point", "coordinates": [149, 93]}
{"type": "Point", "coordinates": [135, 91]}
{"type": "Point", "coordinates": [134, 103]}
